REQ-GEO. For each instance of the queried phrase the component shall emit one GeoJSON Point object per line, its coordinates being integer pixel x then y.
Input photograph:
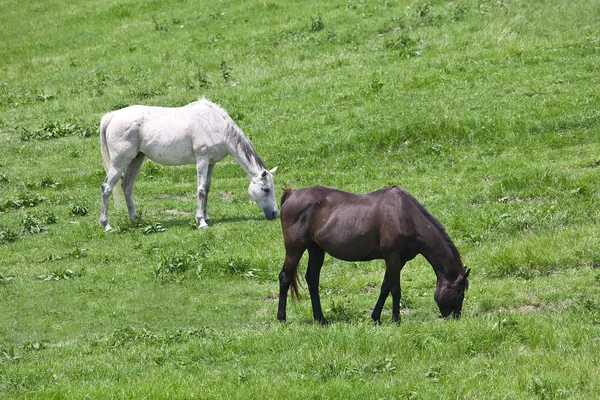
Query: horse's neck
{"type": "Point", "coordinates": [243, 153]}
{"type": "Point", "coordinates": [442, 257]}
{"type": "Point", "coordinates": [249, 165]}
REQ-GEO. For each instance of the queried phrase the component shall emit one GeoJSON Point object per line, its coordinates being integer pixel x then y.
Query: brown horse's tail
{"type": "Point", "coordinates": [294, 284]}
{"type": "Point", "coordinates": [291, 273]}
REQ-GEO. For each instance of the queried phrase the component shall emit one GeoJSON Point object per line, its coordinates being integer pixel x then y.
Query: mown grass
{"type": "Point", "coordinates": [486, 111]}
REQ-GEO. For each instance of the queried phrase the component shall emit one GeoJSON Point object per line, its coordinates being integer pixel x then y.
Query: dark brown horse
{"type": "Point", "coordinates": [387, 224]}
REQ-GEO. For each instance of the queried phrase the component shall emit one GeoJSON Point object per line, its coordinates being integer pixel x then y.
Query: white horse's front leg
{"type": "Point", "coordinates": [208, 180]}
{"type": "Point", "coordinates": [202, 168]}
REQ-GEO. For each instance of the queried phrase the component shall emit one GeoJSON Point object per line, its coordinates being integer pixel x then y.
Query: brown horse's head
{"type": "Point", "coordinates": [450, 295]}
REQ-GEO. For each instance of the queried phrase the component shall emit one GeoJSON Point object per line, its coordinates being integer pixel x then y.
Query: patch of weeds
{"type": "Point", "coordinates": [198, 80]}
{"type": "Point", "coordinates": [151, 170]}
{"type": "Point", "coordinates": [316, 25]}
{"type": "Point", "coordinates": [8, 354]}
{"type": "Point", "coordinates": [34, 346]}
{"type": "Point", "coordinates": [404, 45]}
{"type": "Point", "coordinates": [4, 179]}
{"type": "Point", "coordinates": [171, 268]}
{"type": "Point", "coordinates": [32, 224]}
{"type": "Point", "coordinates": [152, 228]}
{"type": "Point", "coordinates": [215, 39]}
{"type": "Point", "coordinates": [7, 235]}
{"type": "Point", "coordinates": [46, 182]}
{"type": "Point", "coordinates": [160, 25]}
{"type": "Point", "coordinates": [79, 210]}
{"type": "Point", "coordinates": [397, 24]}
{"type": "Point", "coordinates": [225, 71]}
{"type": "Point", "coordinates": [55, 130]}
{"type": "Point", "coordinates": [60, 274]}
{"type": "Point", "coordinates": [237, 266]}
{"type": "Point", "coordinates": [4, 278]}
{"type": "Point", "coordinates": [77, 253]}
{"type": "Point", "coordinates": [459, 12]}
{"type": "Point", "coordinates": [435, 372]}
{"type": "Point", "coordinates": [124, 336]}
{"type": "Point", "coordinates": [50, 258]}
{"type": "Point", "coordinates": [423, 10]}
{"type": "Point", "coordinates": [546, 388]}
{"type": "Point", "coordinates": [376, 84]}
{"type": "Point", "coordinates": [23, 200]}
{"type": "Point", "coordinates": [47, 217]}
{"type": "Point", "coordinates": [141, 224]}
{"type": "Point", "coordinates": [425, 15]}
{"type": "Point", "coordinates": [339, 310]}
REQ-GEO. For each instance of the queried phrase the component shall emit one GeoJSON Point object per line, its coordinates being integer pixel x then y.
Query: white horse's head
{"type": "Point", "coordinates": [262, 191]}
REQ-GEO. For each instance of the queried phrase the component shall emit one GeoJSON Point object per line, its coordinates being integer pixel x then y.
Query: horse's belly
{"type": "Point", "coordinates": [358, 247]}
{"type": "Point", "coordinates": [170, 155]}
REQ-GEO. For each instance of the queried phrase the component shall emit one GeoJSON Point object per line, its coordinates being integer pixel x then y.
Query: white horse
{"type": "Point", "coordinates": [199, 133]}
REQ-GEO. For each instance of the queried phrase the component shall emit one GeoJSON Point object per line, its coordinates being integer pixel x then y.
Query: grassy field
{"type": "Point", "coordinates": [488, 112]}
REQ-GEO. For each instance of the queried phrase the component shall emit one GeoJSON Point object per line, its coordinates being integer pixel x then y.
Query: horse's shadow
{"type": "Point", "coordinates": [179, 222]}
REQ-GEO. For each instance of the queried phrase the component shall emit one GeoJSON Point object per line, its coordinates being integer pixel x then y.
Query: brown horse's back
{"type": "Point", "coordinates": [348, 226]}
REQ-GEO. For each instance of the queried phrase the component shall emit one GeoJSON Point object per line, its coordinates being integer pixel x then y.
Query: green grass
{"type": "Point", "coordinates": [486, 111]}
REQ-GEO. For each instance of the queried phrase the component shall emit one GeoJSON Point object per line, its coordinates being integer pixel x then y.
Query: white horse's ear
{"type": "Point", "coordinates": [273, 170]}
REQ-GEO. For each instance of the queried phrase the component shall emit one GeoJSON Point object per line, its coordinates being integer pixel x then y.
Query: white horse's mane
{"type": "Point", "coordinates": [235, 134]}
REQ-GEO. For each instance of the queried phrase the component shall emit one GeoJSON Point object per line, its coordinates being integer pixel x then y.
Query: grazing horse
{"type": "Point", "coordinates": [386, 224]}
{"type": "Point", "coordinates": [199, 133]}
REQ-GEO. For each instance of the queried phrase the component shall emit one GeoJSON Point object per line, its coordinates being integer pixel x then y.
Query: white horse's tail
{"type": "Point", "coordinates": [117, 191]}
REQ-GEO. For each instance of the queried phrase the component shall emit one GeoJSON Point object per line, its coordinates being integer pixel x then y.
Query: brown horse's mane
{"type": "Point", "coordinates": [286, 193]}
{"type": "Point", "coordinates": [438, 225]}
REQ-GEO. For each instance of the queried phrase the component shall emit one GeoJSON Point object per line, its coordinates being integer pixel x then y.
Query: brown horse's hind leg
{"type": "Point", "coordinates": [287, 277]}
{"type": "Point", "coordinates": [313, 272]}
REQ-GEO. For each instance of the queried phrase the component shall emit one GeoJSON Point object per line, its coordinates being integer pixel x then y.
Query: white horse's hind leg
{"type": "Point", "coordinates": [128, 180]}
{"type": "Point", "coordinates": [202, 167]}
{"type": "Point", "coordinates": [112, 177]}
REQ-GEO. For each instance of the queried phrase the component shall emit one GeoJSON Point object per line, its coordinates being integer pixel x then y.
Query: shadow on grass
{"type": "Point", "coordinates": [213, 222]}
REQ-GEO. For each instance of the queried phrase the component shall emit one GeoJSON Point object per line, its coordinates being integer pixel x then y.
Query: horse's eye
{"type": "Point", "coordinates": [266, 190]}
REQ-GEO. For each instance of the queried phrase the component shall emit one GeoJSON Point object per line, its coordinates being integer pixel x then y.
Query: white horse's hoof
{"type": "Point", "coordinates": [203, 225]}
{"type": "Point", "coordinates": [107, 228]}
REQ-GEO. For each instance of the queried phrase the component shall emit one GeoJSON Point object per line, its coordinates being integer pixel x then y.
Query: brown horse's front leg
{"type": "Point", "coordinates": [391, 284]}
{"type": "Point", "coordinates": [383, 294]}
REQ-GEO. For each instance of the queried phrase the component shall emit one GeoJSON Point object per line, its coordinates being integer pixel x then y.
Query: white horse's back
{"type": "Point", "coordinates": [170, 135]}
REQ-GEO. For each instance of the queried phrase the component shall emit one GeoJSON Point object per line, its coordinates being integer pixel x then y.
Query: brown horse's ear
{"type": "Point", "coordinates": [467, 273]}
